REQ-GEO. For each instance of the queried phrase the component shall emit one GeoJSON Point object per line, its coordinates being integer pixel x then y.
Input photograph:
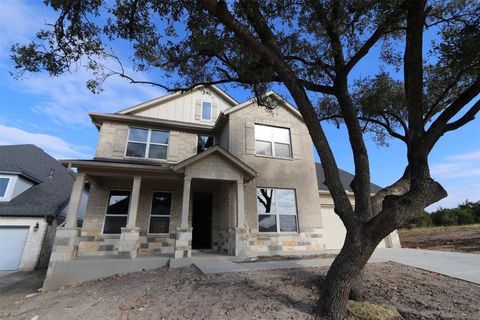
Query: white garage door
{"type": "Point", "coordinates": [12, 242]}
{"type": "Point", "coordinates": [335, 230]}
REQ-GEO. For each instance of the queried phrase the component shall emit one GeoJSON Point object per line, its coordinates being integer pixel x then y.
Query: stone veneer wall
{"type": "Point", "coordinates": [271, 244]}
{"type": "Point", "coordinates": [94, 243]}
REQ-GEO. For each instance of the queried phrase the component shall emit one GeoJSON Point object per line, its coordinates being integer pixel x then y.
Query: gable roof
{"type": "Point", "coordinates": [249, 171]}
{"type": "Point", "coordinates": [271, 94]}
{"type": "Point", "coordinates": [345, 177]}
{"type": "Point", "coordinates": [51, 191]}
{"type": "Point", "coordinates": [173, 95]}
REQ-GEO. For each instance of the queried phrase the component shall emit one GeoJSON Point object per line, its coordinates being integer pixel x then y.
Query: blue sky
{"type": "Point", "coordinates": [52, 113]}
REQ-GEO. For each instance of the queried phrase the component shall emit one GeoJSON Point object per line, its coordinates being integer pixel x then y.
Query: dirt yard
{"type": "Point", "coordinates": [454, 238]}
{"type": "Point", "coordinates": [185, 293]}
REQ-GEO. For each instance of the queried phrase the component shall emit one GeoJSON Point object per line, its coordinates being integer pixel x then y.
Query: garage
{"type": "Point", "coordinates": [12, 243]}
{"type": "Point", "coordinates": [335, 230]}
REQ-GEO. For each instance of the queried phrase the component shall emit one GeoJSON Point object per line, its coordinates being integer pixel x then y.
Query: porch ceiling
{"type": "Point", "coordinates": [100, 168]}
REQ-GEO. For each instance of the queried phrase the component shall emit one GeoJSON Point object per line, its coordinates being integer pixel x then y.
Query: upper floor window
{"type": "Point", "coordinates": [272, 141]}
{"type": "Point", "coordinates": [3, 186]}
{"type": "Point", "coordinates": [147, 143]}
{"type": "Point", "coordinates": [206, 110]}
{"type": "Point", "coordinates": [277, 210]}
{"type": "Point", "coordinates": [204, 142]}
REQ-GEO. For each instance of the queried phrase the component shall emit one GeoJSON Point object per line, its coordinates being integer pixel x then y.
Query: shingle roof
{"type": "Point", "coordinates": [49, 195]}
{"type": "Point", "coordinates": [345, 177]}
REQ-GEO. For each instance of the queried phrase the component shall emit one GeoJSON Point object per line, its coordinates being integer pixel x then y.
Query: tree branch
{"type": "Point", "coordinates": [467, 117]}
{"type": "Point", "coordinates": [438, 126]}
{"type": "Point", "coordinates": [376, 35]}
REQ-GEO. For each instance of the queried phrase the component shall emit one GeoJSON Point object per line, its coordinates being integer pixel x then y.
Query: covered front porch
{"type": "Point", "coordinates": [137, 210]}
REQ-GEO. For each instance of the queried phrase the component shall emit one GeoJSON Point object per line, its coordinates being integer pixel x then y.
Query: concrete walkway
{"type": "Point", "coordinates": [463, 266]}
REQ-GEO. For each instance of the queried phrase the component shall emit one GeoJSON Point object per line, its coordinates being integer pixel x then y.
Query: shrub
{"type": "Point", "coordinates": [474, 208]}
{"type": "Point", "coordinates": [421, 220]}
{"type": "Point", "coordinates": [444, 217]}
{"type": "Point", "coordinates": [464, 216]}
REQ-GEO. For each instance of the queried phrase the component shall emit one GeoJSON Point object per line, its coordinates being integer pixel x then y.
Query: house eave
{"type": "Point", "coordinates": [98, 118]}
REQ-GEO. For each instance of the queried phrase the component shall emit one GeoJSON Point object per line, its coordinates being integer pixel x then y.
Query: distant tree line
{"type": "Point", "coordinates": [467, 212]}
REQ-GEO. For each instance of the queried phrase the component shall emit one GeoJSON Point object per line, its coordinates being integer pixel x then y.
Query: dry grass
{"type": "Point", "coordinates": [415, 231]}
{"type": "Point", "coordinates": [368, 311]}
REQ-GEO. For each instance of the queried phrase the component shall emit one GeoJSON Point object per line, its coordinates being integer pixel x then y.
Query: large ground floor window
{"type": "Point", "coordinates": [117, 211]}
{"type": "Point", "coordinates": [160, 213]}
{"type": "Point", "coordinates": [277, 210]}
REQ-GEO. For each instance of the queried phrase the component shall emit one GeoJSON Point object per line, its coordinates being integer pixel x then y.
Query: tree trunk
{"type": "Point", "coordinates": [357, 287]}
{"type": "Point", "coordinates": [345, 274]}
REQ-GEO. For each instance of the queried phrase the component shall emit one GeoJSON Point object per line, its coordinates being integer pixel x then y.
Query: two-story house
{"type": "Point", "coordinates": [195, 170]}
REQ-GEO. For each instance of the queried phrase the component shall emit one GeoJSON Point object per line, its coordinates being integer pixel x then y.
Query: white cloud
{"type": "Point", "coordinates": [18, 22]}
{"type": "Point", "coordinates": [65, 99]}
{"type": "Point", "coordinates": [475, 155]}
{"type": "Point", "coordinates": [457, 166]}
{"type": "Point", "coordinates": [55, 146]}
{"type": "Point", "coordinates": [460, 176]}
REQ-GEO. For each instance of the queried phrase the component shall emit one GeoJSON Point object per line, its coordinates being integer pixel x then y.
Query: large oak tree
{"type": "Point", "coordinates": [422, 90]}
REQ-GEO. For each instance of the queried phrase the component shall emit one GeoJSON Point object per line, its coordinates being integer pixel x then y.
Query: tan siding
{"type": "Point", "coordinates": [182, 107]}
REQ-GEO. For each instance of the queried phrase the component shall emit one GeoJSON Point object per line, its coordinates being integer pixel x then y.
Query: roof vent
{"type": "Point", "coordinates": [50, 175]}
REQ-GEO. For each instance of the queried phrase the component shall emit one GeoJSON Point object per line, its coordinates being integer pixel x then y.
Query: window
{"type": "Point", "coordinates": [160, 213]}
{"type": "Point", "coordinates": [117, 211]}
{"type": "Point", "coordinates": [277, 210]}
{"type": "Point", "coordinates": [204, 142]}
{"type": "Point", "coordinates": [272, 141]}
{"type": "Point", "coordinates": [3, 186]}
{"type": "Point", "coordinates": [147, 143]}
{"type": "Point", "coordinates": [206, 110]}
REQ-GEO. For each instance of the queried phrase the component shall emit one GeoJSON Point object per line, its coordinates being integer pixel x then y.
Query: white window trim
{"type": "Point", "coordinates": [277, 214]}
{"type": "Point", "coordinates": [148, 143]}
{"type": "Point", "coordinates": [201, 110]}
{"type": "Point", "coordinates": [5, 195]}
{"type": "Point", "coordinates": [114, 215]}
{"type": "Point", "coordinates": [160, 215]}
{"type": "Point", "coordinates": [208, 135]}
{"type": "Point", "coordinates": [272, 148]}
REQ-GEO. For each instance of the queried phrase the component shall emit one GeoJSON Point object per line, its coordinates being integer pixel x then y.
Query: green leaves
{"type": "Point", "coordinates": [320, 42]}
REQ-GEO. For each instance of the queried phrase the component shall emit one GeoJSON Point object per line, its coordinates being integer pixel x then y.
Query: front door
{"type": "Point", "coordinates": [202, 220]}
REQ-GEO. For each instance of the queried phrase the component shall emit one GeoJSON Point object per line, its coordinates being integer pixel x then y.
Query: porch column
{"type": "Point", "coordinates": [133, 210]}
{"type": "Point", "coordinates": [130, 236]}
{"type": "Point", "coordinates": [186, 201]}
{"type": "Point", "coordinates": [183, 237]}
{"type": "Point", "coordinates": [74, 203]}
{"type": "Point", "coordinates": [240, 205]}
{"type": "Point", "coordinates": [67, 238]}
{"type": "Point", "coordinates": [241, 233]}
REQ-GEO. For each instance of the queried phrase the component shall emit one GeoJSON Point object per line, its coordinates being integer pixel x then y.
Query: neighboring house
{"type": "Point", "coordinates": [196, 170]}
{"type": "Point", "coordinates": [34, 189]}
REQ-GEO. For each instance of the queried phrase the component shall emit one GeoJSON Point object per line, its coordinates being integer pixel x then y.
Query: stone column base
{"type": "Point", "coordinates": [241, 242]}
{"type": "Point", "coordinates": [65, 245]}
{"type": "Point", "coordinates": [129, 242]}
{"type": "Point", "coordinates": [183, 243]}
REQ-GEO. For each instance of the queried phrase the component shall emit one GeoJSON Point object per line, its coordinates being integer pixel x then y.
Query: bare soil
{"type": "Point", "coordinates": [185, 293]}
{"type": "Point", "coordinates": [291, 257]}
{"type": "Point", "coordinates": [454, 238]}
